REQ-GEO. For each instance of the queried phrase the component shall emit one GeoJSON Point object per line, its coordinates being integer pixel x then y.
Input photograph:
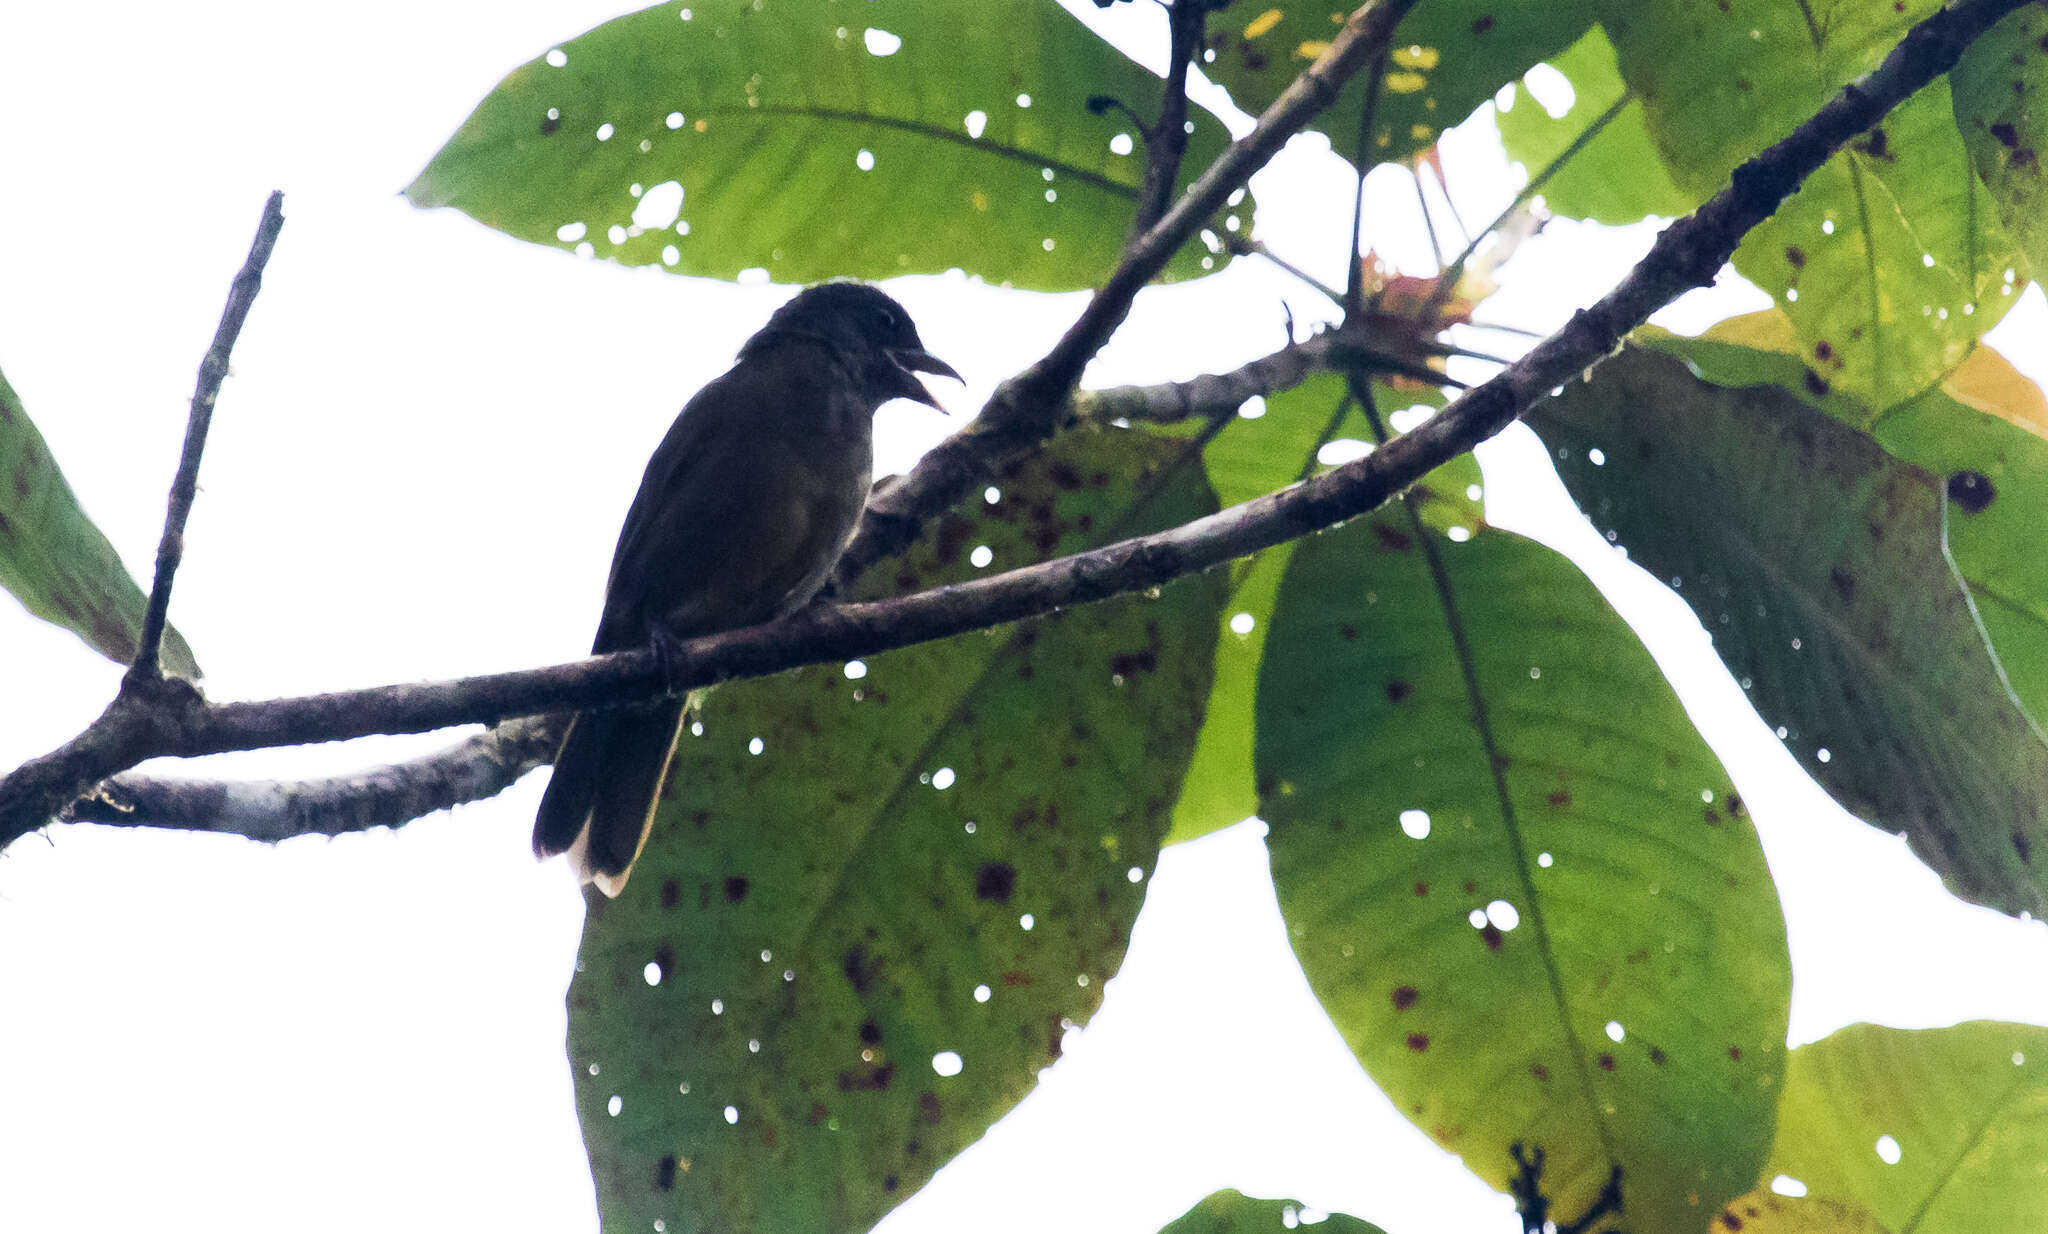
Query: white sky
{"type": "Point", "coordinates": [417, 471]}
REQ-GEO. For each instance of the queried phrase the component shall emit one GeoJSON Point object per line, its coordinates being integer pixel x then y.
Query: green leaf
{"type": "Point", "coordinates": [935, 861]}
{"type": "Point", "coordinates": [1998, 86]}
{"type": "Point", "coordinates": [55, 559]}
{"type": "Point", "coordinates": [1247, 459]}
{"type": "Point", "coordinates": [1815, 560]}
{"type": "Point", "coordinates": [824, 138]}
{"type": "Point", "coordinates": [1616, 177]}
{"type": "Point", "coordinates": [1980, 430]}
{"type": "Point", "coordinates": [1232, 1212]}
{"type": "Point", "coordinates": [1583, 870]}
{"type": "Point", "coordinates": [1896, 262]}
{"type": "Point", "coordinates": [1450, 56]}
{"type": "Point", "coordinates": [1886, 260]}
{"type": "Point", "coordinates": [1964, 1111]}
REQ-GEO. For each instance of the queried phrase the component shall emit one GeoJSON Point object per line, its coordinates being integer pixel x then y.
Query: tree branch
{"type": "Point", "coordinates": [213, 370]}
{"type": "Point", "coordinates": [385, 796]}
{"type": "Point", "coordinates": [1167, 140]}
{"type": "Point", "coordinates": [1025, 410]}
{"type": "Point", "coordinates": [1688, 254]}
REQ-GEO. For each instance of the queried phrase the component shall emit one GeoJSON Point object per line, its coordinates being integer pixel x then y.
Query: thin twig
{"type": "Point", "coordinates": [1688, 254]}
{"type": "Point", "coordinates": [1167, 140]}
{"type": "Point", "coordinates": [1354, 261]}
{"type": "Point", "coordinates": [213, 370]}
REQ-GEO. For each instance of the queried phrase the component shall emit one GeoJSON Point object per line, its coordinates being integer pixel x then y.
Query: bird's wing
{"type": "Point", "coordinates": [730, 519]}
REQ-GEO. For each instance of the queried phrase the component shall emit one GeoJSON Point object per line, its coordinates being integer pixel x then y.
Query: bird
{"type": "Point", "coordinates": [743, 511]}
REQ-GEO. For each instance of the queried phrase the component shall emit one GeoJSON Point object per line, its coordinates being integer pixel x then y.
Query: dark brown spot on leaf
{"type": "Point", "coordinates": [867, 1080]}
{"type": "Point", "coordinates": [1540, 1071]}
{"type": "Point", "coordinates": [1559, 798]}
{"type": "Point", "coordinates": [1656, 1056]}
{"type": "Point", "coordinates": [1398, 689]}
{"type": "Point", "coordinates": [2023, 846]}
{"type": "Point", "coordinates": [870, 1032]}
{"type": "Point", "coordinates": [1404, 997]}
{"type": "Point", "coordinates": [1844, 584]}
{"type": "Point", "coordinates": [1795, 256]}
{"type": "Point", "coordinates": [995, 880]}
{"type": "Point", "coordinates": [1735, 1053]}
{"type": "Point", "coordinates": [1418, 1042]}
{"type": "Point", "coordinates": [1815, 384]}
{"type": "Point", "coordinates": [735, 889]}
{"type": "Point", "coordinates": [1392, 538]}
{"type": "Point", "coordinates": [1491, 933]}
{"type": "Point", "coordinates": [1730, 1220]}
{"type": "Point", "coordinates": [671, 893]}
{"type": "Point", "coordinates": [1971, 491]}
{"type": "Point", "coordinates": [861, 968]}
{"type": "Point", "coordinates": [665, 1174]}
{"type": "Point", "coordinates": [1607, 1062]}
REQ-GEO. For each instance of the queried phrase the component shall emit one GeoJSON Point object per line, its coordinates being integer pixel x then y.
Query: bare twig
{"type": "Point", "coordinates": [1688, 254]}
{"type": "Point", "coordinates": [1025, 410]}
{"type": "Point", "coordinates": [1167, 139]}
{"type": "Point", "coordinates": [213, 370]}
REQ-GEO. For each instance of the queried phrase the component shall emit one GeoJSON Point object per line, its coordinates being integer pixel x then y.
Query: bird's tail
{"type": "Point", "coordinates": [599, 805]}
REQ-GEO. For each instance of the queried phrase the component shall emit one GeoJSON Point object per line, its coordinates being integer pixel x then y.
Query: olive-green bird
{"type": "Point", "coordinates": [744, 509]}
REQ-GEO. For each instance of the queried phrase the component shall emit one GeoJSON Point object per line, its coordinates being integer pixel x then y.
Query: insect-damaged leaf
{"type": "Point", "coordinates": [875, 897]}
{"type": "Point", "coordinates": [821, 138]}
{"type": "Point", "coordinates": [1528, 897]}
{"type": "Point", "coordinates": [1938, 1131]}
{"type": "Point", "coordinates": [1815, 561]}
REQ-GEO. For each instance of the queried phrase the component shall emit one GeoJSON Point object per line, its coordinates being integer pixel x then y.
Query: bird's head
{"type": "Point", "coordinates": [870, 333]}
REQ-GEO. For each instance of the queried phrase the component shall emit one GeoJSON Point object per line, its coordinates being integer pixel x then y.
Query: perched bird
{"type": "Point", "coordinates": [744, 509]}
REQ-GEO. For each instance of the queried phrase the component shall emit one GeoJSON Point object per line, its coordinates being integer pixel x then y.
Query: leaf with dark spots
{"type": "Point", "coordinates": [1864, 650]}
{"type": "Point", "coordinates": [1418, 1042]}
{"type": "Point", "coordinates": [671, 892]}
{"type": "Point", "coordinates": [1657, 1056]}
{"type": "Point", "coordinates": [1405, 997]}
{"type": "Point", "coordinates": [735, 889]}
{"type": "Point", "coordinates": [55, 560]}
{"type": "Point", "coordinates": [665, 1173]}
{"type": "Point", "coordinates": [1795, 256]}
{"type": "Point", "coordinates": [1397, 689]}
{"type": "Point", "coordinates": [1473, 48]}
{"type": "Point", "coordinates": [1588, 884]}
{"type": "Point", "coordinates": [766, 91]}
{"type": "Point", "coordinates": [1607, 1062]}
{"type": "Point", "coordinates": [1391, 537]}
{"type": "Point", "coordinates": [859, 929]}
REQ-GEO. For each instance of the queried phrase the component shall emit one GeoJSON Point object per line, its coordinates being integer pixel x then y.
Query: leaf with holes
{"type": "Point", "coordinates": [819, 138]}
{"type": "Point", "coordinates": [1515, 876]}
{"type": "Point", "coordinates": [1998, 88]}
{"type": "Point", "coordinates": [1614, 175]}
{"type": "Point", "coordinates": [1937, 1131]}
{"type": "Point", "coordinates": [875, 898]}
{"type": "Point", "coordinates": [1982, 430]}
{"type": "Point", "coordinates": [1449, 57]}
{"type": "Point", "coordinates": [1889, 259]}
{"type": "Point", "coordinates": [1233, 1212]}
{"type": "Point", "coordinates": [1249, 458]}
{"type": "Point", "coordinates": [1815, 560]}
{"type": "Point", "coordinates": [55, 559]}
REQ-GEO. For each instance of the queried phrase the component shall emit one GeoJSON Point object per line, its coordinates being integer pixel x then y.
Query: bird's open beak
{"type": "Point", "coordinates": [912, 361]}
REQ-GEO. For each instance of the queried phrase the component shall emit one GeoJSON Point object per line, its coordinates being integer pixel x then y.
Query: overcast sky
{"type": "Point", "coordinates": [418, 469]}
